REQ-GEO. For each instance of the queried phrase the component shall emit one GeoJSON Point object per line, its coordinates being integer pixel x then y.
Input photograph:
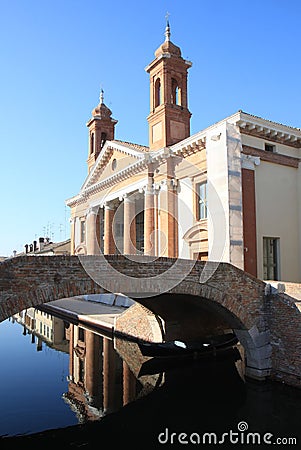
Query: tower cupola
{"type": "Point", "coordinates": [101, 128]}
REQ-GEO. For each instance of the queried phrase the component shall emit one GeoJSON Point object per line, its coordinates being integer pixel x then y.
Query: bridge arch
{"type": "Point", "coordinates": [267, 324]}
{"type": "Point", "coordinates": [191, 311]}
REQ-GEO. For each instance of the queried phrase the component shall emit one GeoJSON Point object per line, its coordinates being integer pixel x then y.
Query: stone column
{"type": "Point", "coordinates": [149, 216]}
{"type": "Point", "coordinates": [93, 364]}
{"type": "Point", "coordinates": [169, 210]}
{"type": "Point", "coordinates": [91, 234]}
{"type": "Point", "coordinates": [129, 384]}
{"type": "Point", "coordinates": [172, 212]}
{"type": "Point", "coordinates": [109, 244]}
{"type": "Point", "coordinates": [71, 352]}
{"type": "Point", "coordinates": [108, 376]}
{"type": "Point", "coordinates": [156, 219]}
{"type": "Point", "coordinates": [129, 237]}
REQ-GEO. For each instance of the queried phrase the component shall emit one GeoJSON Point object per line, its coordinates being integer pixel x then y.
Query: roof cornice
{"type": "Point", "coordinates": [268, 130]}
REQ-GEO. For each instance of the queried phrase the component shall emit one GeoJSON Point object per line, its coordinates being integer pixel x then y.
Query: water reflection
{"type": "Point", "coordinates": [110, 378]}
{"type": "Point", "coordinates": [105, 373]}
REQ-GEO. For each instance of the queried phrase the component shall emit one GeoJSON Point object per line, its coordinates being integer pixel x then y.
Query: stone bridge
{"type": "Point", "coordinates": [173, 298]}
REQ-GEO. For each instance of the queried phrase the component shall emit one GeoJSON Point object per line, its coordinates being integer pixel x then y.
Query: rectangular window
{"type": "Point", "coordinates": [202, 200]}
{"type": "Point", "coordinates": [271, 258]}
{"type": "Point", "coordinates": [269, 147]}
{"type": "Point", "coordinates": [82, 231]}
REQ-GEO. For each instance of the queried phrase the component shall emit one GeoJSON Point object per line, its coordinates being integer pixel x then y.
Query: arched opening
{"type": "Point", "coordinates": [192, 318]}
{"type": "Point", "coordinates": [103, 138]}
{"type": "Point", "coordinates": [175, 92]}
{"type": "Point", "coordinates": [91, 143]}
{"type": "Point", "coordinates": [157, 92]}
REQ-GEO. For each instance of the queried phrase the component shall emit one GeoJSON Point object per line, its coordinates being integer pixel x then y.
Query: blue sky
{"type": "Point", "coordinates": [55, 55]}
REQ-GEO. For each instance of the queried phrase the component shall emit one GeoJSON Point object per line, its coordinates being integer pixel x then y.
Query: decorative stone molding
{"type": "Point", "coordinates": [81, 249]}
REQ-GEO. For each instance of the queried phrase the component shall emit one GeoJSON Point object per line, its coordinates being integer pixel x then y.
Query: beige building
{"type": "Point", "coordinates": [45, 327]}
{"type": "Point", "coordinates": [230, 192]}
{"type": "Point", "coordinates": [45, 247]}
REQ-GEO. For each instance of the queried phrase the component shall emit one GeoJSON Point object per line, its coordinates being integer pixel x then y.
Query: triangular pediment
{"type": "Point", "coordinates": [113, 158]}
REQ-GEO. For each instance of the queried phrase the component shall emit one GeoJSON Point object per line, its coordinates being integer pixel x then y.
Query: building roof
{"type": "Point", "coordinates": [131, 145]}
{"type": "Point", "coordinates": [52, 246]}
{"type": "Point", "coordinates": [270, 121]}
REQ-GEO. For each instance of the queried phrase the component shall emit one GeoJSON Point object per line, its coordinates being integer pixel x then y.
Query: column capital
{"type": "Point", "coordinates": [157, 188]}
{"type": "Point", "coordinates": [249, 161]}
{"type": "Point", "coordinates": [92, 210]}
{"type": "Point", "coordinates": [109, 206]}
{"type": "Point", "coordinates": [128, 198]}
{"type": "Point", "coordinates": [172, 184]}
{"type": "Point", "coordinates": [149, 190]}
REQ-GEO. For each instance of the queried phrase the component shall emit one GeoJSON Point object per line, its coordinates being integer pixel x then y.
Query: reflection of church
{"type": "Point", "coordinates": [100, 381]}
{"type": "Point", "coordinates": [229, 192]}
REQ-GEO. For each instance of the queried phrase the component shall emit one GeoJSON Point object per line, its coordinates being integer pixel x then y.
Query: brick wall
{"type": "Point", "coordinates": [284, 321]}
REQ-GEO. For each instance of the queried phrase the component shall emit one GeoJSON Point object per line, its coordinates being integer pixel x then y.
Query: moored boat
{"type": "Point", "coordinates": [207, 346]}
{"type": "Point", "coordinates": [165, 364]}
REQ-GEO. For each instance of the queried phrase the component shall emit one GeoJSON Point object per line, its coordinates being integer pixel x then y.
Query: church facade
{"type": "Point", "coordinates": [231, 192]}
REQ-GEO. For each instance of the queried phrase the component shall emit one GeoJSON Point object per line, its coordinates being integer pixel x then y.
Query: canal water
{"type": "Point", "coordinates": [57, 374]}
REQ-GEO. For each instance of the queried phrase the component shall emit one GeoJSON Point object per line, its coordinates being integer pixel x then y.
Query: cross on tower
{"type": "Point", "coordinates": [167, 29]}
{"type": "Point", "coordinates": [167, 17]}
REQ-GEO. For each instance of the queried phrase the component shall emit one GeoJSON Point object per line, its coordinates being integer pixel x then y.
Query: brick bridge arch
{"type": "Point", "coordinates": [262, 320]}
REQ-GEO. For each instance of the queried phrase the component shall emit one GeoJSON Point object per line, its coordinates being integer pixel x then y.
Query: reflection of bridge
{"type": "Point", "coordinates": [267, 322]}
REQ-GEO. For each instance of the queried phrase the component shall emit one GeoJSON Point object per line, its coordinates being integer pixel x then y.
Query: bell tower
{"type": "Point", "coordinates": [169, 118]}
{"type": "Point", "coordinates": [101, 128]}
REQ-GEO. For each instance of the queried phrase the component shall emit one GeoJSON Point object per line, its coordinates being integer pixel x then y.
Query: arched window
{"type": "Point", "coordinates": [103, 138]}
{"type": "Point", "coordinates": [91, 143]}
{"type": "Point", "coordinates": [157, 92]}
{"type": "Point", "coordinates": [175, 92]}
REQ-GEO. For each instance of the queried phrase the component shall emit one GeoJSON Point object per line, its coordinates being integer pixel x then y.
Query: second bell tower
{"type": "Point", "coordinates": [101, 128]}
{"type": "Point", "coordinates": [169, 118]}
